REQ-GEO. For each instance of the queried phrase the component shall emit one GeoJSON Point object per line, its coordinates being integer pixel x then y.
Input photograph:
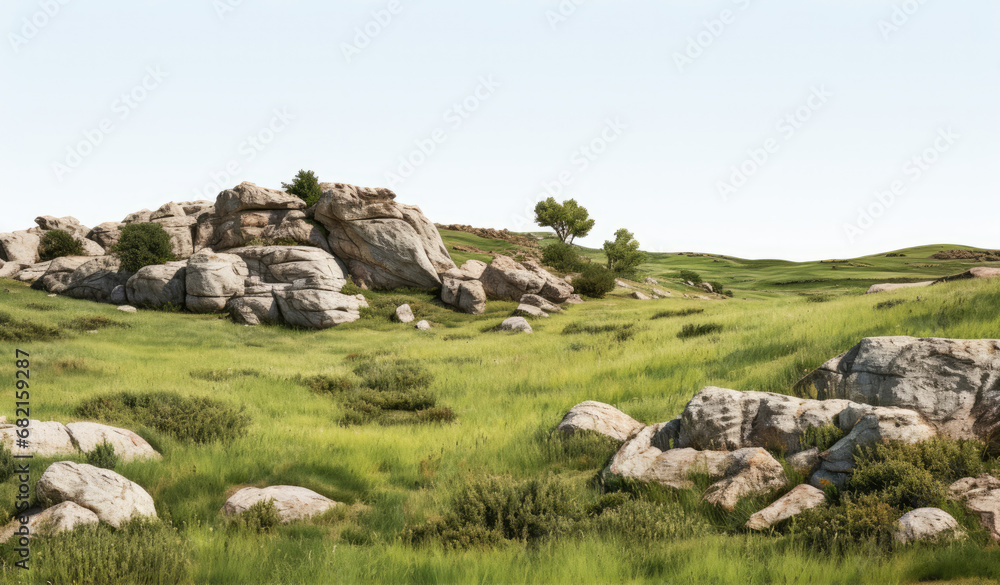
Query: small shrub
{"type": "Point", "coordinates": [6, 463]}
{"type": "Point", "coordinates": [900, 484]}
{"type": "Point", "coordinates": [865, 519]}
{"type": "Point", "coordinates": [305, 186]}
{"type": "Point", "coordinates": [40, 307]}
{"type": "Point", "coordinates": [596, 328]}
{"type": "Point", "coordinates": [142, 244]}
{"type": "Point", "coordinates": [104, 456]}
{"type": "Point", "coordinates": [680, 313]}
{"type": "Point", "coordinates": [594, 281]}
{"type": "Point", "coordinates": [12, 329]}
{"type": "Point", "coordinates": [95, 322]}
{"type": "Point", "coordinates": [641, 521]}
{"type": "Point", "coordinates": [889, 304]}
{"type": "Point", "coordinates": [388, 375]}
{"type": "Point", "coordinates": [330, 384]}
{"type": "Point", "coordinates": [194, 419]}
{"type": "Point", "coordinates": [818, 298]}
{"type": "Point", "coordinates": [351, 289]}
{"type": "Point", "coordinates": [562, 257]}
{"type": "Point", "coordinates": [225, 375]}
{"type": "Point", "coordinates": [690, 276]}
{"type": "Point", "coordinates": [720, 289]}
{"type": "Point", "coordinates": [259, 518]}
{"type": "Point", "coordinates": [58, 243]}
{"type": "Point", "coordinates": [822, 437]}
{"type": "Point", "coordinates": [691, 330]}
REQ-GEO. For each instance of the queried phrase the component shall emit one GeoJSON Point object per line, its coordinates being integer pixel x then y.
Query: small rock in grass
{"type": "Point", "coordinates": [927, 524]}
{"type": "Point", "coordinates": [404, 314]}
{"type": "Point", "coordinates": [516, 324]}
{"type": "Point", "coordinates": [128, 309]}
{"type": "Point", "coordinates": [798, 500]}
{"type": "Point", "coordinates": [292, 502]}
{"type": "Point", "coordinates": [423, 325]}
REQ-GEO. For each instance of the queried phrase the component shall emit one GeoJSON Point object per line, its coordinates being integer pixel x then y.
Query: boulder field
{"type": "Point", "coordinates": [265, 258]}
{"type": "Point", "coordinates": [883, 389]}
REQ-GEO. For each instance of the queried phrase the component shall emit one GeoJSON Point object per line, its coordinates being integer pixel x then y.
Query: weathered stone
{"type": "Point", "coordinates": [70, 225]}
{"type": "Point", "coordinates": [197, 207]}
{"type": "Point", "coordinates": [651, 280]}
{"type": "Point", "coordinates": [889, 287]}
{"type": "Point", "coordinates": [20, 247]}
{"type": "Point", "coordinates": [314, 304]}
{"type": "Point", "coordinates": [529, 311]}
{"type": "Point", "coordinates": [953, 383]}
{"type": "Point", "coordinates": [258, 307]}
{"type": "Point", "coordinates": [56, 278]}
{"type": "Point", "coordinates": [128, 309]}
{"type": "Point", "coordinates": [872, 425]}
{"type": "Point", "coordinates": [927, 524]}
{"type": "Point", "coordinates": [47, 439]}
{"type": "Point", "coordinates": [32, 272]}
{"type": "Point", "coordinates": [748, 471]}
{"type": "Point", "coordinates": [138, 217]}
{"type": "Point", "coordinates": [575, 299]}
{"type": "Point", "coordinates": [468, 295]}
{"type": "Point", "coordinates": [112, 497]}
{"type": "Point", "coordinates": [128, 445]}
{"type": "Point", "coordinates": [506, 279]}
{"type": "Point", "coordinates": [981, 495]}
{"type": "Point", "coordinates": [541, 303]}
{"type": "Point", "coordinates": [11, 269]}
{"type": "Point", "coordinates": [977, 272]}
{"type": "Point", "coordinates": [798, 500]}
{"type": "Point", "coordinates": [292, 502]}
{"type": "Point", "coordinates": [247, 196]}
{"type": "Point", "coordinates": [404, 314]}
{"type": "Point", "coordinates": [423, 325]}
{"type": "Point", "coordinates": [212, 279]}
{"type": "Point", "coordinates": [600, 418]}
{"type": "Point", "coordinates": [167, 210]}
{"type": "Point", "coordinates": [158, 285]}
{"type": "Point", "coordinates": [805, 462]}
{"type": "Point", "coordinates": [474, 268]}
{"type": "Point", "coordinates": [96, 280]}
{"type": "Point", "coordinates": [823, 479]}
{"type": "Point", "coordinates": [519, 324]}
{"type": "Point", "coordinates": [59, 518]}
{"type": "Point", "coordinates": [639, 296]}
{"type": "Point", "coordinates": [286, 264]}
{"type": "Point", "coordinates": [239, 229]}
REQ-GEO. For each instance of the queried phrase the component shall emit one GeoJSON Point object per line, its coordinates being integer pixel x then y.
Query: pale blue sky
{"type": "Point", "coordinates": [672, 127]}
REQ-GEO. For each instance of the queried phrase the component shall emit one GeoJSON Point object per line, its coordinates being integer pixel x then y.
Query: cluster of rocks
{"type": "Point", "coordinates": [979, 272]}
{"type": "Point", "coordinates": [228, 260]}
{"type": "Point", "coordinates": [883, 389]}
{"type": "Point", "coordinates": [54, 439]}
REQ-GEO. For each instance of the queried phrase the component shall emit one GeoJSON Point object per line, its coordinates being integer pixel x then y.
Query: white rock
{"type": "Point", "coordinates": [933, 524]}
{"type": "Point", "coordinates": [114, 498]}
{"type": "Point", "coordinates": [45, 439]}
{"type": "Point", "coordinates": [423, 326]}
{"type": "Point", "coordinates": [404, 314]}
{"type": "Point", "coordinates": [128, 445]}
{"type": "Point", "coordinates": [59, 518]}
{"type": "Point", "coordinates": [796, 501]}
{"type": "Point", "coordinates": [516, 324]}
{"type": "Point", "coordinates": [128, 309]}
{"type": "Point", "coordinates": [601, 418]}
{"type": "Point", "coordinates": [529, 311]}
{"type": "Point", "coordinates": [292, 502]}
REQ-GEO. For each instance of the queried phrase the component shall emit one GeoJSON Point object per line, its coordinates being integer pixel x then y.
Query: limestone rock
{"type": "Point", "coordinates": [128, 309]}
{"type": "Point", "coordinates": [467, 295]}
{"type": "Point", "coordinates": [541, 303]}
{"type": "Point", "coordinates": [112, 497]}
{"type": "Point", "coordinates": [981, 495]}
{"type": "Point", "coordinates": [601, 418]}
{"type": "Point", "coordinates": [316, 304]}
{"type": "Point", "coordinates": [20, 247]}
{"type": "Point", "coordinates": [167, 210]}
{"type": "Point", "coordinates": [59, 518]}
{"type": "Point", "coordinates": [748, 471]}
{"type": "Point", "coordinates": [575, 299]}
{"type": "Point", "coordinates": [423, 325]}
{"type": "Point", "coordinates": [805, 462]}
{"type": "Point", "coordinates": [953, 383]}
{"type": "Point", "coordinates": [70, 225]}
{"type": "Point", "coordinates": [926, 524]}
{"type": "Point", "coordinates": [639, 296]}
{"type": "Point", "coordinates": [56, 278]}
{"type": "Point", "coordinates": [292, 502]}
{"type": "Point", "coordinates": [46, 439]}
{"type": "Point", "coordinates": [256, 309]}
{"type": "Point", "coordinates": [873, 425]}
{"type": "Point", "coordinates": [138, 217]}
{"type": "Point", "coordinates": [404, 314]}
{"type": "Point", "coordinates": [96, 280]}
{"type": "Point", "coordinates": [128, 445]}
{"type": "Point", "coordinates": [529, 311]}
{"type": "Point", "coordinates": [32, 272]}
{"type": "Point", "coordinates": [286, 264]}
{"type": "Point", "coordinates": [506, 279]}
{"type": "Point", "coordinates": [158, 285]}
{"type": "Point", "coordinates": [212, 279]}
{"type": "Point", "coordinates": [796, 501]}
{"type": "Point", "coordinates": [519, 324]}
{"type": "Point", "coordinates": [247, 196]}
{"type": "Point", "coordinates": [977, 272]}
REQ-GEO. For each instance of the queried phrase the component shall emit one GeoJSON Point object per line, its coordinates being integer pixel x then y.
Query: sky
{"type": "Point", "coordinates": [754, 128]}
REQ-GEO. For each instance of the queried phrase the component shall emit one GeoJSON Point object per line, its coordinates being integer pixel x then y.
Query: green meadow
{"type": "Point", "coordinates": [505, 394]}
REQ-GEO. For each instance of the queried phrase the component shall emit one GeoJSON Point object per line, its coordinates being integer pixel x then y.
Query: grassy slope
{"type": "Point", "coordinates": [506, 390]}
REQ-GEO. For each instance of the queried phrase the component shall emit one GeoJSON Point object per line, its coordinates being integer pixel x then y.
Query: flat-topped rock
{"type": "Point", "coordinates": [292, 502]}
{"type": "Point", "coordinates": [600, 418]}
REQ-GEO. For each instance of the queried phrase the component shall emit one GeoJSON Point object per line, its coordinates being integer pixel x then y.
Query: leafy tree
{"type": "Point", "coordinates": [561, 257]}
{"type": "Point", "coordinates": [305, 186]}
{"type": "Point", "coordinates": [595, 281]}
{"type": "Point", "coordinates": [623, 253]}
{"type": "Point", "coordinates": [568, 219]}
{"type": "Point", "coordinates": [142, 244]}
{"type": "Point", "coordinates": [58, 243]}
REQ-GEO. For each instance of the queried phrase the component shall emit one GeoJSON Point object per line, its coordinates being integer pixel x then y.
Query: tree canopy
{"type": "Point", "coordinates": [568, 219]}
{"type": "Point", "coordinates": [623, 253]}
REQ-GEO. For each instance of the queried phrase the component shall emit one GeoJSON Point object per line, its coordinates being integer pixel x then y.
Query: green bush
{"type": "Point", "coordinates": [680, 313]}
{"type": "Point", "coordinates": [822, 437]}
{"type": "Point", "coordinates": [143, 551]}
{"type": "Point", "coordinates": [692, 330]}
{"type": "Point", "coordinates": [861, 520]}
{"type": "Point", "coordinates": [562, 257]}
{"type": "Point", "coordinates": [225, 375]}
{"type": "Point", "coordinates": [142, 244]}
{"type": "Point", "coordinates": [899, 484]}
{"type": "Point", "coordinates": [104, 456]}
{"type": "Point", "coordinates": [387, 375]}
{"type": "Point", "coordinates": [12, 329]}
{"type": "Point", "coordinates": [6, 463]}
{"type": "Point", "coordinates": [58, 243]}
{"type": "Point", "coordinates": [889, 304]}
{"type": "Point", "coordinates": [594, 281]}
{"type": "Point", "coordinates": [259, 518]}
{"type": "Point", "coordinates": [305, 186]}
{"type": "Point", "coordinates": [689, 275]}
{"type": "Point", "coordinates": [95, 322]}
{"type": "Point", "coordinates": [597, 328]}
{"type": "Point", "coordinates": [641, 521]}
{"type": "Point", "coordinates": [186, 418]}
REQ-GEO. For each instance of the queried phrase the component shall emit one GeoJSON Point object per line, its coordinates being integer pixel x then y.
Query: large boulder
{"type": "Point", "coordinates": [128, 445]}
{"type": "Point", "coordinates": [507, 279]}
{"type": "Point", "coordinates": [981, 495]}
{"type": "Point", "coordinates": [292, 502]}
{"type": "Point", "coordinates": [106, 234]}
{"type": "Point", "coordinates": [600, 418]}
{"type": "Point", "coordinates": [167, 210]}
{"type": "Point", "coordinates": [158, 285]}
{"type": "Point", "coordinates": [114, 498]}
{"type": "Point", "coordinates": [96, 280]}
{"type": "Point", "coordinates": [246, 197]}
{"type": "Point", "coordinates": [11, 269]}
{"type": "Point", "coordinates": [70, 225]}
{"type": "Point", "coordinates": [977, 272]}
{"type": "Point", "coordinates": [142, 216]}
{"type": "Point", "coordinates": [384, 244]}
{"type": "Point", "coordinates": [286, 264]}
{"type": "Point", "coordinates": [317, 304]}
{"type": "Point", "coordinates": [32, 272]}
{"type": "Point", "coordinates": [212, 279]}
{"type": "Point", "coordinates": [461, 288]}
{"type": "Point", "coordinates": [798, 500]}
{"type": "Point", "coordinates": [953, 383]}
{"type": "Point", "coordinates": [926, 524]}
{"type": "Point", "coordinates": [46, 439]}
{"type": "Point", "coordinates": [541, 303]}
{"type": "Point", "coordinates": [20, 247]}
{"type": "Point", "coordinates": [57, 277]}
{"type": "Point", "coordinates": [181, 231]}
{"type": "Point", "coordinates": [59, 518]}
{"type": "Point", "coordinates": [248, 212]}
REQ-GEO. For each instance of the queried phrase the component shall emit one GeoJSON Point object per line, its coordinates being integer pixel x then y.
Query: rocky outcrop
{"type": "Point", "coordinates": [96, 280]}
{"type": "Point", "coordinates": [384, 244]}
{"type": "Point", "coordinates": [212, 279]}
{"type": "Point", "coordinates": [981, 496]}
{"type": "Point", "coordinates": [106, 234]}
{"type": "Point", "coordinates": [927, 524]}
{"type": "Point", "coordinates": [953, 383]}
{"type": "Point", "coordinates": [541, 303]}
{"type": "Point", "coordinates": [531, 311]}
{"type": "Point", "coordinates": [286, 264]}
{"type": "Point", "coordinates": [20, 247]}
{"type": "Point", "coordinates": [56, 278]}
{"type": "Point", "coordinates": [316, 304]}
{"type": "Point", "coordinates": [158, 286]}
{"type": "Point", "coordinates": [461, 288]}
{"type": "Point", "coordinates": [112, 497]}
{"type": "Point", "coordinates": [801, 498]}
{"type": "Point", "coordinates": [292, 502]}
{"type": "Point", "coordinates": [516, 324]}
{"type": "Point", "coordinates": [59, 518]}
{"type": "Point", "coordinates": [977, 272]}
{"type": "Point", "coordinates": [600, 418]}
{"type": "Point", "coordinates": [54, 439]}
{"type": "Point", "coordinates": [248, 212]}
{"type": "Point", "coordinates": [506, 279]}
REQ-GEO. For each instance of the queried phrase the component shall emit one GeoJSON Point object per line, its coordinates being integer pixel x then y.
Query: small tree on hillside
{"type": "Point", "coordinates": [142, 244]}
{"type": "Point", "coordinates": [623, 253]}
{"type": "Point", "coordinates": [568, 219]}
{"type": "Point", "coordinates": [305, 186]}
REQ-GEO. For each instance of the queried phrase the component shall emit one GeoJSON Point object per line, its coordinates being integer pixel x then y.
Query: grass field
{"type": "Point", "coordinates": [507, 392]}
